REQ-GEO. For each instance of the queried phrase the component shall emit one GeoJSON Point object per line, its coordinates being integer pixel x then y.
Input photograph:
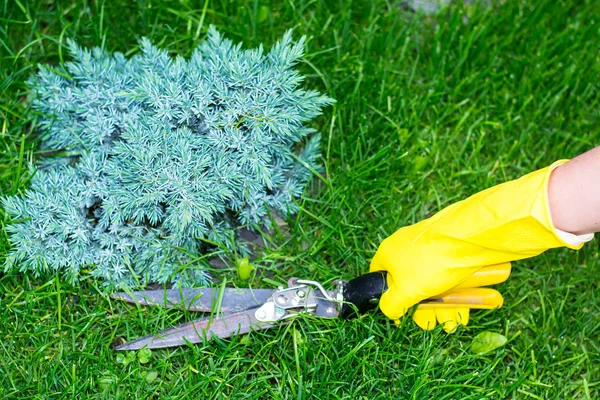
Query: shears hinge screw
{"type": "Point", "coordinates": [286, 303]}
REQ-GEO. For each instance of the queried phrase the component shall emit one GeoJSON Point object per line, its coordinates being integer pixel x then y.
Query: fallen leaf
{"type": "Point", "coordinates": [151, 376]}
{"type": "Point", "coordinates": [486, 342]}
{"type": "Point", "coordinates": [107, 380]}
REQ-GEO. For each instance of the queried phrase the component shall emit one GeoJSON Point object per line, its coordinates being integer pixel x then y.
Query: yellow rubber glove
{"type": "Point", "coordinates": [504, 223]}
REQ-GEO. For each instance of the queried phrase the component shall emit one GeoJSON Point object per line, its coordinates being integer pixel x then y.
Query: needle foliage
{"type": "Point", "coordinates": [154, 157]}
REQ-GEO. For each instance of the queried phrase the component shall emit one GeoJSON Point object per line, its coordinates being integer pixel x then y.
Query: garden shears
{"type": "Point", "coordinates": [237, 311]}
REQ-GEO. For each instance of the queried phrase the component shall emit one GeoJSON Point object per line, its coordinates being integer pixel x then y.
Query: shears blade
{"type": "Point", "coordinates": [228, 300]}
{"type": "Point", "coordinates": [201, 330]}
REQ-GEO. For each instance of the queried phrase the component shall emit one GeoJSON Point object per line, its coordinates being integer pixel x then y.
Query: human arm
{"type": "Point", "coordinates": [574, 194]}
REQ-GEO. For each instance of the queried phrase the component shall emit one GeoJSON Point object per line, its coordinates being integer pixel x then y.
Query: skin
{"type": "Point", "coordinates": [574, 194]}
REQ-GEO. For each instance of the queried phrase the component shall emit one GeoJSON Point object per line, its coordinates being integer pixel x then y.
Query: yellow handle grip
{"type": "Point", "coordinates": [480, 298]}
{"type": "Point", "coordinates": [486, 276]}
{"type": "Point", "coordinates": [470, 293]}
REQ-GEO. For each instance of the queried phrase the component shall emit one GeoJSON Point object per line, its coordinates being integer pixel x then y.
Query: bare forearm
{"type": "Point", "coordinates": [574, 194]}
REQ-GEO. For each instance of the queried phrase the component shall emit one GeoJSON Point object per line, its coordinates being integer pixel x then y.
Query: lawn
{"type": "Point", "coordinates": [429, 110]}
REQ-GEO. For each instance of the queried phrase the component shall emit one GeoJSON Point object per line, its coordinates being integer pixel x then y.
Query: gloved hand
{"type": "Point", "coordinates": [504, 223]}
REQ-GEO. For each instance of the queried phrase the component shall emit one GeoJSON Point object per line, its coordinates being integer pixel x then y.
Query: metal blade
{"type": "Point", "coordinates": [201, 300]}
{"type": "Point", "coordinates": [201, 329]}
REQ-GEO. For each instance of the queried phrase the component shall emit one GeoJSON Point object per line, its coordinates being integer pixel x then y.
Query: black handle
{"type": "Point", "coordinates": [362, 294]}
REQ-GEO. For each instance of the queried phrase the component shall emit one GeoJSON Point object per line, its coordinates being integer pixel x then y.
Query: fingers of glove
{"type": "Point", "coordinates": [395, 302]}
{"type": "Point", "coordinates": [392, 305]}
{"type": "Point", "coordinates": [425, 319]}
{"type": "Point", "coordinates": [449, 318]}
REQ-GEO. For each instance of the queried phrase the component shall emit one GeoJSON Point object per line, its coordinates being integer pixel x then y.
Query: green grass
{"type": "Point", "coordinates": [429, 110]}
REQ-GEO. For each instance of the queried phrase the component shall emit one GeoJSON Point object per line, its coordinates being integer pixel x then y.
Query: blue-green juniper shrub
{"type": "Point", "coordinates": [156, 159]}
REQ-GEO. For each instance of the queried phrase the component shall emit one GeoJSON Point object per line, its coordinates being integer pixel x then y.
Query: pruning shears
{"type": "Point", "coordinates": [239, 311]}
